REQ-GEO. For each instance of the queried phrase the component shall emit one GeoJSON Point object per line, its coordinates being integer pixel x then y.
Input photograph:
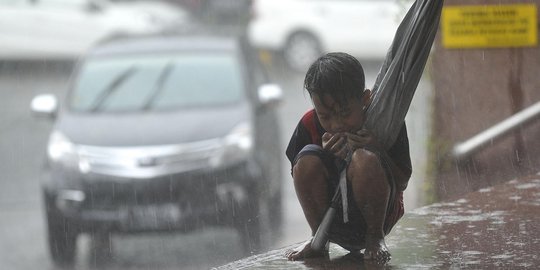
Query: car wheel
{"type": "Point", "coordinates": [62, 237]}
{"type": "Point", "coordinates": [253, 225]}
{"type": "Point", "coordinates": [276, 214]}
{"type": "Point", "coordinates": [101, 248]}
{"type": "Point", "coordinates": [301, 50]}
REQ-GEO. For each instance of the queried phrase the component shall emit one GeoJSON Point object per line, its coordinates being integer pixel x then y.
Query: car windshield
{"type": "Point", "coordinates": [157, 82]}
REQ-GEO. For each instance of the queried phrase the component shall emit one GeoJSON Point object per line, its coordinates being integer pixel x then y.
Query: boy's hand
{"type": "Point", "coordinates": [335, 144]}
{"type": "Point", "coordinates": [361, 139]}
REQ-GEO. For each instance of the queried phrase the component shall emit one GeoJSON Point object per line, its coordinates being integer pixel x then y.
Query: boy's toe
{"type": "Point", "coordinates": [288, 253]}
{"type": "Point", "coordinates": [383, 256]}
{"type": "Point", "coordinates": [380, 256]}
{"type": "Point", "coordinates": [294, 256]}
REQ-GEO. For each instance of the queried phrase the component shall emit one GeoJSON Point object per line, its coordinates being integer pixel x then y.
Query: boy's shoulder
{"type": "Point", "coordinates": [311, 127]}
{"type": "Point", "coordinates": [309, 117]}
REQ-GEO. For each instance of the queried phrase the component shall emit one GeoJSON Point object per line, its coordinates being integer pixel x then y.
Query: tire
{"type": "Point", "coordinates": [276, 214]}
{"type": "Point", "coordinates": [62, 238]}
{"type": "Point", "coordinates": [301, 50]}
{"type": "Point", "coordinates": [101, 248]}
{"type": "Point", "coordinates": [253, 226]}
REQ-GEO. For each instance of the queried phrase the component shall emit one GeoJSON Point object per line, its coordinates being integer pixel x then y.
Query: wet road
{"type": "Point", "coordinates": [493, 228]}
{"type": "Point", "coordinates": [22, 148]}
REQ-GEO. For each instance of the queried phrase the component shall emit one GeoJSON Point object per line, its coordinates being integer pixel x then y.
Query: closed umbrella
{"type": "Point", "coordinates": [401, 70]}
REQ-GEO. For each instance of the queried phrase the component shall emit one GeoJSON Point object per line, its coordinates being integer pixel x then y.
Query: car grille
{"type": "Point", "coordinates": [188, 190]}
{"type": "Point", "coordinates": [150, 161]}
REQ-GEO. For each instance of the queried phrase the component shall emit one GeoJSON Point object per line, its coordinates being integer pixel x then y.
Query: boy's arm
{"type": "Point", "coordinates": [299, 139]}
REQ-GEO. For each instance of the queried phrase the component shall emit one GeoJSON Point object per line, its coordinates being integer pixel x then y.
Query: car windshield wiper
{"type": "Point", "coordinates": [98, 102]}
{"type": "Point", "coordinates": [159, 86]}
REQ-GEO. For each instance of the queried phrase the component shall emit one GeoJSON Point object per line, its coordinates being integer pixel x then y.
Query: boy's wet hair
{"type": "Point", "coordinates": [338, 75]}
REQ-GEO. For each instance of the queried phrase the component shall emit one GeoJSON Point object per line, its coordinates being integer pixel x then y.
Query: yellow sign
{"type": "Point", "coordinates": [490, 26]}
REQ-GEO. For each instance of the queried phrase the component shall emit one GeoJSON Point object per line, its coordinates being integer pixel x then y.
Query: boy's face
{"type": "Point", "coordinates": [336, 118]}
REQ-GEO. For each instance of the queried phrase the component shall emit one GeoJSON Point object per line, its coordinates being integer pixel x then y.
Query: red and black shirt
{"type": "Point", "coordinates": [310, 131]}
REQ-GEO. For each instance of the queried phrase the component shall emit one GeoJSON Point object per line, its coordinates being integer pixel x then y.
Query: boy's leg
{"type": "Point", "coordinates": [371, 191]}
{"type": "Point", "coordinates": [310, 176]}
{"type": "Point", "coordinates": [310, 184]}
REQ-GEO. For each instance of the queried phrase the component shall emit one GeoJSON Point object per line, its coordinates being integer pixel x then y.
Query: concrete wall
{"type": "Point", "coordinates": [474, 90]}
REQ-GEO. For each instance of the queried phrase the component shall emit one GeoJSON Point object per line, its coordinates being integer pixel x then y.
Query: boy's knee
{"type": "Point", "coordinates": [308, 167]}
{"type": "Point", "coordinates": [364, 159]}
{"type": "Point", "coordinates": [364, 166]}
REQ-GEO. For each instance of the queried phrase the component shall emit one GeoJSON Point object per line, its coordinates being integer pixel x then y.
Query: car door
{"type": "Point", "coordinates": [16, 27]}
{"type": "Point", "coordinates": [362, 27]}
{"type": "Point", "coordinates": [48, 29]}
{"type": "Point", "coordinates": [68, 26]}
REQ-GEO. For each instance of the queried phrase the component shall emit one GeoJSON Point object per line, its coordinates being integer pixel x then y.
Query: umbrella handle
{"type": "Point", "coordinates": [320, 239]}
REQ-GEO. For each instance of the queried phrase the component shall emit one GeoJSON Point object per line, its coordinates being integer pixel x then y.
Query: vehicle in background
{"type": "Point", "coordinates": [218, 11]}
{"type": "Point", "coordinates": [302, 30]}
{"type": "Point", "coordinates": [65, 29]}
{"type": "Point", "coordinates": [228, 10]}
{"type": "Point", "coordinates": [167, 133]}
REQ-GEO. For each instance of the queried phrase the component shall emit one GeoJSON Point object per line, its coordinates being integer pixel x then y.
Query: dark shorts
{"type": "Point", "coordinates": [351, 235]}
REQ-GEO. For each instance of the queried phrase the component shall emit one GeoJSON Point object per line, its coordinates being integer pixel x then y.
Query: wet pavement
{"type": "Point", "coordinates": [492, 228]}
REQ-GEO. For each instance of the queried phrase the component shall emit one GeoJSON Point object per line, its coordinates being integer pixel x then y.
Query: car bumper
{"type": "Point", "coordinates": [179, 202]}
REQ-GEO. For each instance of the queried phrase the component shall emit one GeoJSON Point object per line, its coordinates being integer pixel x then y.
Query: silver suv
{"type": "Point", "coordinates": [163, 134]}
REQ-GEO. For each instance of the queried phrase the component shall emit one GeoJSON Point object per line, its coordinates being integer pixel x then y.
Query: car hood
{"type": "Point", "coordinates": [151, 128]}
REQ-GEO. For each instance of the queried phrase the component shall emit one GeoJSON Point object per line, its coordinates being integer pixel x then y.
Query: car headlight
{"type": "Point", "coordinates": [236, 147]}
{"type": "Point", "coordinates": [60, 147]}
{"type": "Point", "coordinates": [241, 137]}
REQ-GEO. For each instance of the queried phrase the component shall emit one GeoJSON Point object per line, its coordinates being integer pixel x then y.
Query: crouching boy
{"type": "Point", "coordinates": [324, 137]}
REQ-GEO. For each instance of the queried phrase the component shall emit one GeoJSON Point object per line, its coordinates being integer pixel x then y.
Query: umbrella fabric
{"type": "Point", "coordinates": [401, 70]}
{"type": "Point", "coordinates": [399, 76]}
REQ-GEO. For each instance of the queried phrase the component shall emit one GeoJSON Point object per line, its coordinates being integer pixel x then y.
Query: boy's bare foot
{"type": "Point", "coordinates": [376, 250]}
{"type": "Point", "coordinates": [304, 251]}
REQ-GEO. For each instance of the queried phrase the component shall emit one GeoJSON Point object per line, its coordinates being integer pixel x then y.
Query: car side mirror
{"type": "Point", "coordinates": [270, 95]}
{"type": "Point", "coordinates": [44, 105]}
